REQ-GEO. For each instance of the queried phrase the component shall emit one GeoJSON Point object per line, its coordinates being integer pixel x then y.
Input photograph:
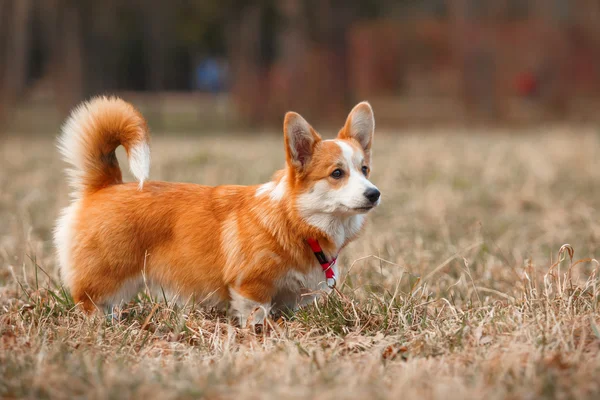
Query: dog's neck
{"type": "Point", "coordinates": [338, 229]}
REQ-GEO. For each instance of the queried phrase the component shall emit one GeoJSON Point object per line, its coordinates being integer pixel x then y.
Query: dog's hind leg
{"type": "Point", "coordinates": [98, 287]}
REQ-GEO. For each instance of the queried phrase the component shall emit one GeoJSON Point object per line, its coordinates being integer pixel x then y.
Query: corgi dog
{"type": "Point", "coordinates": [247, 248]}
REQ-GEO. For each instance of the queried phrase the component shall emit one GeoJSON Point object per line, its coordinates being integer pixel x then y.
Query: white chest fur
{"type": "Point", "coordinates": [296, 289]}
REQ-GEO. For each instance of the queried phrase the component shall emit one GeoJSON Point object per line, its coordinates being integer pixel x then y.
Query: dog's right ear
{"type": "Point", "coordinates": [300, 140]}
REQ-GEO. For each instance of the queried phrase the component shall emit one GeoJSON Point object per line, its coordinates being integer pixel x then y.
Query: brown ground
{"type": "Point", "coordinates": [457, 289]}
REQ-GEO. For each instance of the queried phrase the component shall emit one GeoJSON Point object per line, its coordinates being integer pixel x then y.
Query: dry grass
{"type": "Point", "coordinates": [457, 289]}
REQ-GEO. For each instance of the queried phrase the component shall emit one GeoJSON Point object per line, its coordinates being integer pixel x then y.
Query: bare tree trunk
{"type": "Point", "coordinates": [336, 98]}
{"type": "Point", "coordinates": [293, 60]}
{"type": "Point", "coordinates": [458, 28]}
{"type": "Point", "coordinates": [245, 64]}
{"type": "Point", "coordinates": [4, 18]}
{"type": "Point", "coordinates": [15, 16]}
{"type": "Point", "coordinates": [49, 19]}
{"type": "Point", "coordinates": [63, 42]}
{"type": "Point", "coordinates": [156, 40]}
{"type": "Point", "coordinates": [155, 44]}
{"type": "Point", "coordinates": [99, 23]}
{"type": "Point", "coordinates": [71, 53]}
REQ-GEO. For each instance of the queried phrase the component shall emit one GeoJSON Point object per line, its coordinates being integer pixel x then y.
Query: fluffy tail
{"type": "Point", "coordinates": [90, 136]}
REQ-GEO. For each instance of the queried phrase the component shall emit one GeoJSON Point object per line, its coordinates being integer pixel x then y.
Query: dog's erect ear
{"type": "Point", "coordinates": [360, 125]}
{"type": "Point", "coordinates": [300, 139]}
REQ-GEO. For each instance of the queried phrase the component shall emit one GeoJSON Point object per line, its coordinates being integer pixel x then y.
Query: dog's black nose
{"type": "Point", "coordinates": [372, 194]}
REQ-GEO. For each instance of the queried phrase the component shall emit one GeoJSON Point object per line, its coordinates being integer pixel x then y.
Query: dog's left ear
{"type": "Point", "coordinates": [360, 125]}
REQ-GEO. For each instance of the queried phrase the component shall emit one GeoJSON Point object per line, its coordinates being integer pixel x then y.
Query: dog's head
{"type": "Point", "coordinates": [332, 176]}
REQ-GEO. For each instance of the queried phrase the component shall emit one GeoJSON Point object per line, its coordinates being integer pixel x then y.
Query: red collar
{"type": "Point", "coordinates": [326, 265]}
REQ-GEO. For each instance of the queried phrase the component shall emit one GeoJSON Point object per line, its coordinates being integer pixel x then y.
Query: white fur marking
{"type": "Point", "coordinates": [128, 289]}
{"type": "Point", "coordinates": [280, 189]}
{"type": "Point", "coordinates": [64, 240]}
{"type": "Point", "coordinates": [265, 188]}
{"type": "Point", "coordinates": [139, 162]}
{"type": "Point", "coordinates": [72, 143]}
{"type": "Point", "coordinates": [248, 311]}
{"type": "Point", "coordinates": [336, 227]}
{"type": "Point", "coordinates": [275, 190]}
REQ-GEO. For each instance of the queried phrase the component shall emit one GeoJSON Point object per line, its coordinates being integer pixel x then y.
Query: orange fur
{"type": "Point", "coordinates": [195, 240]}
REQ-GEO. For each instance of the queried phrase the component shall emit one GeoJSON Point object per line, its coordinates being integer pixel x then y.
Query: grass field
{"type": "Point", "coordinates": [459, 288]}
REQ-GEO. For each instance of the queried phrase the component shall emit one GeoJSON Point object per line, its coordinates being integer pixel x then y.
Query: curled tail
{"type": "Point", "coordinates": [90, 136]}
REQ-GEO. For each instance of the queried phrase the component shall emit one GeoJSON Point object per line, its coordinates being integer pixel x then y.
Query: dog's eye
{"type": "Point", "coordinates": [365, 170]}
{"type": "Point", "coordinates": [337, 174]}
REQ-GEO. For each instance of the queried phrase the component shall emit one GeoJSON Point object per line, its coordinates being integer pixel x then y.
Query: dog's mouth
{"type": "Point", "coordinates": [366, 208]}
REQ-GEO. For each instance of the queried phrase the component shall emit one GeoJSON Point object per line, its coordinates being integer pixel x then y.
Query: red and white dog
{"type": "Point", "coordinates": [247, 246]}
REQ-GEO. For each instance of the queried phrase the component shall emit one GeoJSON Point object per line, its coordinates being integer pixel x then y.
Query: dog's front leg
{"type": "Point", "coordinates": [249, 307]}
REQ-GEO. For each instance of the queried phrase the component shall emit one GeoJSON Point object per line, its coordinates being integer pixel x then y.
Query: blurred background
{"type": "Point", "coordinates": [209, 64]}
